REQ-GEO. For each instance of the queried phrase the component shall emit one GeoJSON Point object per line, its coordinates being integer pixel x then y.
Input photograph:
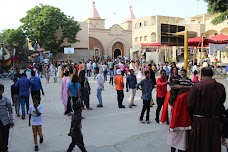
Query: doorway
{"type": "Point", "coordinates": [117, 53]}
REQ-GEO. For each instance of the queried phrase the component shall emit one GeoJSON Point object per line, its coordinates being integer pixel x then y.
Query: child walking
{"type": "Point", "coordinates": [75, 130]}
{"type": "Point", "coordinates": [35, 112]}
{"type": "Point", "coordinates": [195, 77]}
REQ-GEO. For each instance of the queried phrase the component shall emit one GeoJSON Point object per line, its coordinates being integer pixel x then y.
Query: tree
{"type": "Point", "coordinates": [218, 7]}
{"type": "Point", "coordinates": [15, 38]}
{"type": "Point", "coordinates": [49, 27]}
{"type": "Point", "coordinates": [2, 36]}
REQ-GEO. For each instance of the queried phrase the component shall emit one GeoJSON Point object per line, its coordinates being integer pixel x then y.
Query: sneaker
{"type": "Point", "coordinates": [18, 115]}
{"type": "Point", "coordinates": [134, 105]}
{"type": "Point", "coordinates": [141, 120]}
{"type": "Point", "coordinates": [89, 108]}
{"type": "Point", "coordinates": [130, 106]}
{"type": "Point", "coordinates": [36, 148]}
{"type": "Point", "coordinates": [23, 117]}
{"type": "Point", "coordinates": [41, 140]}
{"type": "Point", "coordinates": [148, 121]}
{"type": "Point", "coordinates": [99, 106]}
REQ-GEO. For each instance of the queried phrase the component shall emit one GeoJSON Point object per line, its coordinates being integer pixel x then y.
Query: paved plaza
{"type": "Point", "coordinates": [107, 129]}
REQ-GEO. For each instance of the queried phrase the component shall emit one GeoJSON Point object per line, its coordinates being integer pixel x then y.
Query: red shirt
{"type": "Point", "coordinates": [161, 87]}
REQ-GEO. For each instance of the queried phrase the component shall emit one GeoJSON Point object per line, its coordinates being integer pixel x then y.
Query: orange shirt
{"type": "Point", "coordinates": [119, 82]}
{"type": "Point", "coordinates": [80, 67]}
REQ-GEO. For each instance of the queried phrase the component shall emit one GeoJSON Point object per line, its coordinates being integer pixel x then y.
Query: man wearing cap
{"type": "Point", "coordinates": [119, 88]}
{"type": "Point", "coordinates": [99, 86]}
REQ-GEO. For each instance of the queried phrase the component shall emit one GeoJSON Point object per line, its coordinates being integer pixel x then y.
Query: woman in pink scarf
{"type": "Point", "coordinates": [64, 96]}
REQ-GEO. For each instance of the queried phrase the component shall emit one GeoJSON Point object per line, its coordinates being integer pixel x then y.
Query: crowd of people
{"type": "Point", "coordinates": [197, 107]}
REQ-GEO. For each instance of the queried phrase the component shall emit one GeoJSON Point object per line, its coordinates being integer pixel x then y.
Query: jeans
{"type": "Point", "coordinates": [4, 137]}
{"type": "Point", "coordinates": [23, 101]}
{"type": "Point", "coordinates": [99, 97]}
{"type": "Point", "coordinates": [79, 142]}
{"type": "Point", "coordinates": [75, 100]}
{"type": "Point", "coordinates": [88, 73]}
{"type": "Point", "coordinates": [69, 108]}
{"type": "Point", "coordinates": [16, 100]}
{"type": "Point", "coordinates": [146, 107]}
{"type": "Point", "coordinates": [111, 80]}
{"type": "Point", "coordinates": [174, 150]}
{"type": "Point", "coordinates": [82, 90]}
{"type": "Point", "coordinates": [160, 102]}
{"type": "Point", "coordinates": [105, 75]}
{"type": "Point", "coordinates": [120, 97]}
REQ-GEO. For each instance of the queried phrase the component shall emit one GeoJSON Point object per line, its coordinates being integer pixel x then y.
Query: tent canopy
{"type": "Point", "coordinates": [150, 44]}
{"type": "Point", "coordinates": [220, 39]}
{"type": "Point", "coordinates": [196, 41]}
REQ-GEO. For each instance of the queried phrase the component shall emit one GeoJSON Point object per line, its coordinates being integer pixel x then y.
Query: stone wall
{"type": "Point", "coordinates": [78, 56]}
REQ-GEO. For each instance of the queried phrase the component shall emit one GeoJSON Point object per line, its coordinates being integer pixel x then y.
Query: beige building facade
{"type": "Point", "coordinates": [148, 30]}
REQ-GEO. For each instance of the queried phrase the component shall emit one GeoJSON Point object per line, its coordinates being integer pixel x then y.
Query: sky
{"type": "Point", "coordinates": [114, 11]}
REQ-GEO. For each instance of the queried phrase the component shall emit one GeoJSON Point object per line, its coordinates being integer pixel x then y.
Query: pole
{"type": "Point", "coordinates": [201, 55]}
{"type": "Point", "coordinates": [68, 57]}
{"type": "Point", "coordinates": [165, 53]}
{"type": "Point", "coordinates": [186, 49]}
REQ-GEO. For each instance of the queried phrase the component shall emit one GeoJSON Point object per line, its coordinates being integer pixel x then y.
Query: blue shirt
{"type": "Point", "coordinates": [131, 81]}
{"type": "Point", "coordinates": [74, 88]}
{"type": "Point", "coordinates": [147, 87]}
{"type": "Point", "coordinates": [24, 84]}
{"type": "Point", "coordinates": [36, 84]}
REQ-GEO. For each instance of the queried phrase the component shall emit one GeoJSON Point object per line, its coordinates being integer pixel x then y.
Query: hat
{"type": "Point", "coordinates": [149, 64]}
{"type": "Point", "coordinates": [118, 71]}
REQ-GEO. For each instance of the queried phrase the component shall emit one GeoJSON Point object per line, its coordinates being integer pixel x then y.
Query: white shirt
{"type": "Point", "coordinates": [194, 68]}
{"type": "Point", "coordinates": [36, 120]}
{"type": "Point", "coordinates": [89, 66]}
{"type": "Point", "coordinates": [100, 81]}
{"type": "Point", "coordinates": [104, 67]}
{"type": "Point", "coordinates": [205, 64]}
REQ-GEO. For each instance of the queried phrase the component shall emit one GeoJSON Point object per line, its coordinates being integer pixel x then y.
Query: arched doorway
{"type": "Point", "coordinates": [117, 50]}
{"type": "Point", "coordinates": [117, 53]}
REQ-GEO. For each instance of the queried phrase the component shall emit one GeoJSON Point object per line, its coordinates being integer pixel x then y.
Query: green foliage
{"type": "Point", "coordinates": [15, 39]}
{"type": "Point", "coordinates": [49, 27]}
{"type": "Point", "coordinates": [2, 36]}
{"type": "Point", "coordinates": [218, 7]}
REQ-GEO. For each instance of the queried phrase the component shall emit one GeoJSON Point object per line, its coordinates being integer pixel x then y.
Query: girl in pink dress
{"type": "Point", "coordinates": [195, 77]}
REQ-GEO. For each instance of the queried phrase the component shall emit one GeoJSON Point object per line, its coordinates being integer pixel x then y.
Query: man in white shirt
{"type": "Point", "coordinates": [99, 86]}
{"type": "Point", "coordinates": [89, 68]}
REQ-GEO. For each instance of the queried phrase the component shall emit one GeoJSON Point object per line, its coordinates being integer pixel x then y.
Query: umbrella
{"type": "Point", "coordinates": [219, 39]}
{"type": "Point", "coordinates": [196, 41]}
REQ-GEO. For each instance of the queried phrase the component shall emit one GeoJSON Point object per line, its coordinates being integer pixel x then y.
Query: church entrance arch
{"type": "Point", "coordinates": [117, 50]}
{"type": "Point", "coordinates": [117, 53]}
{"type": "Point", "coordinates": [121, 45]}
